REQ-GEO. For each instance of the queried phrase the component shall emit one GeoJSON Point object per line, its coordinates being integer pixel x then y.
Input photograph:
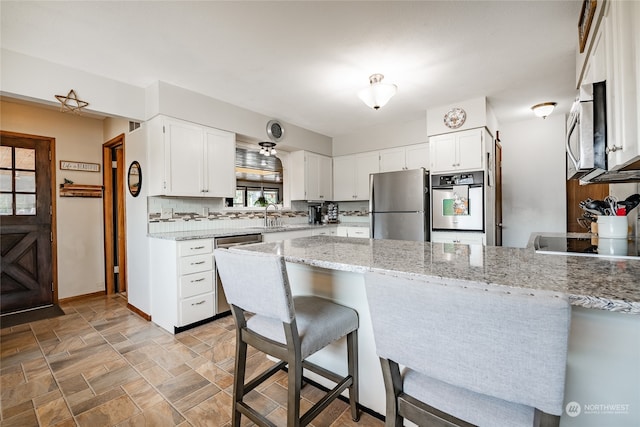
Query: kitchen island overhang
{"type": "Point", "coordinates": [605, 337]}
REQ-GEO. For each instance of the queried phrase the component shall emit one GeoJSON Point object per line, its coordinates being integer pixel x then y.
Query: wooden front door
{"type": "Point", "coordinates": [26, 212]}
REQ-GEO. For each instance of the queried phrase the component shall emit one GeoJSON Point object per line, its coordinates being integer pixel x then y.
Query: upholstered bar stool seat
{"type": "Point", "coordinates": [270, 319]}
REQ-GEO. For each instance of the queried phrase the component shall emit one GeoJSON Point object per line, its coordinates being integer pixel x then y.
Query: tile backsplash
{"type": "Point", "coordinates": [171, 214]}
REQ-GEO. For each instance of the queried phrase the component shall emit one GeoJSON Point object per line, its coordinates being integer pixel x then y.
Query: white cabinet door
{"type": "Point", "coordinates": [366, 164]}
{"type": "Point", "coordinates": [392, 159]}
{"type": "Point", "coordinates": [184, 164]}
{"type": "Point", "coordinates": [469, 146]}
{"type": "Point", "coordinates": [311, 176]}
{"type": "Point", "coordinates": [417, 156]}
{"type": "Point", "coordinates": [457, 151]}
{"type": "Point", "coordinates": [344, 178]}
{"type": "Point", "coordinates": [220, 171]}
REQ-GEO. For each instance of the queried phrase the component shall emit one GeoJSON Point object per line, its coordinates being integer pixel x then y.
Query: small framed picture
{"type": "Point", "coordinates": [584, 23]}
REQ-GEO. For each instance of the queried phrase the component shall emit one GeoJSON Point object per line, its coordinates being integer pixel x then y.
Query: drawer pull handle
{"type": "Point", "coordinates": [198, 280]}
{"type": "Point", "coordinates": [197, 247]}
{"type": "Point", "coordinates": [197, 263]}
{"type": "Point", "coordinates": [198, 303]}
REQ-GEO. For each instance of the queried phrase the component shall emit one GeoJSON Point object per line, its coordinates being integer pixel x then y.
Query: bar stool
{"type": "Point", "coordinates": [486, 356]}
{"type": "Point", "coordinates": [270, 319]}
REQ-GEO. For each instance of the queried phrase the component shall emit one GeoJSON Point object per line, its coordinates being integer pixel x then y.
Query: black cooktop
{"type": "Point", "coordinates": [588, 246]}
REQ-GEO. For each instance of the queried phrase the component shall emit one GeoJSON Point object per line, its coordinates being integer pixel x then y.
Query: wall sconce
{"type": "Point", "coordinates": [377, 94]}
{"type": "Point", "coordinates": [543, 109]}
{"type": "Point", "coordinates": [267, 148]}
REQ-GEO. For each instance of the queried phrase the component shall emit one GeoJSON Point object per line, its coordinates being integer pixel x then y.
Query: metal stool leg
{"type": "Point", "coordinates": [352, 357]}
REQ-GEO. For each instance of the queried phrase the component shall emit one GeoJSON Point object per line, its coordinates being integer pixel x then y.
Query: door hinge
{"type": "Point", "coordinates": [52, 290]}
{"type": "Point", "coordinates": [116, 269]}
{"type": "Point", "coordinates": [49, 155]}
{"type": "Point", "coordinates": [50, 210]}
{"type": "Point", "coordinates": [51, 236]}
{"type": "Point", "coordinates": [163, 131]}
{"type": "Point", "coordinates": [114, 165]}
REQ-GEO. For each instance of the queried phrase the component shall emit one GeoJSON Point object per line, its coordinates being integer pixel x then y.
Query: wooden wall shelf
{"type": "Point", "coordinates": [79, 190]}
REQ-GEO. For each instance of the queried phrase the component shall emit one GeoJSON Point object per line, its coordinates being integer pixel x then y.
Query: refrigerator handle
{"type": "Point", "coordinates": [371, 197]}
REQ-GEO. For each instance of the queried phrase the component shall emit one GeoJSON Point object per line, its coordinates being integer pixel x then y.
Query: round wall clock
{"type": "Point", "coordinates": [455, 118]}
{"type": "Point", "coordinates": [275, 130]}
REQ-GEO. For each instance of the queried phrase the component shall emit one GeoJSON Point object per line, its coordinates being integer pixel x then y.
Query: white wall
{"type": "Point", "coordinates": [381, 137]}
{"type": "Point", "coordinates": [80, 243]}
{"type": "Point", "coordinates": [533, 174]}
{"type": "Point", "coordinates": [138, 264]}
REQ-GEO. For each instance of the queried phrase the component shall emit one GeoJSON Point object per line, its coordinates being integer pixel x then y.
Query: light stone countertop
{"type": "Point", "coordinates": [592, 282]}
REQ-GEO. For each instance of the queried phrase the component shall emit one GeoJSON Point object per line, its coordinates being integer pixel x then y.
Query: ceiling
{"type": "Point", "coordinates": [303, 61]}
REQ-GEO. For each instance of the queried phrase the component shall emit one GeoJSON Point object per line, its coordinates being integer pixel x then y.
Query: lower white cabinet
{"type": "Point", "coordinates": [361, 232]}
{"type": "Point", "coordinates": [325, 231]}
{"type": "Point", "coordinates": [182, 282]}
{"type": "Point", "coordinates": [458, 237]}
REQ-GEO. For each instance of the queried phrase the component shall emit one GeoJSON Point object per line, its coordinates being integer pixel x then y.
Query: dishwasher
{"type": "Point", "coordinates": [222, 306]}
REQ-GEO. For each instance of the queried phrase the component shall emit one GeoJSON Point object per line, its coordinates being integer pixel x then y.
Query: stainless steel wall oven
{"type": "Point", "coordinates": [457, 202]}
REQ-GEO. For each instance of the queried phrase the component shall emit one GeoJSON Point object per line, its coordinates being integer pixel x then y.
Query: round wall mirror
{"type": "Point", "coordinates": [135, 178]}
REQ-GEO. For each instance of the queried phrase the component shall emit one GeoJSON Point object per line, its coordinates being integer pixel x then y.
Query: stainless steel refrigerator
{"type": "Point", "coordinates": [399, 205]}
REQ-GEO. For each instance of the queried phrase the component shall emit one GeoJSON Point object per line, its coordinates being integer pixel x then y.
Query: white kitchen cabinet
{"type": "Point", "coordinates": [189, 160]}
{"type": "Point", "coordinates": [311, 176]}
{"type": "Point", "coordinates": [358, 232]}
{"type": "Point", "coordinates": [284, 235]}
{"type": "Point", "coordinates": [351, 175]}
{"type": "Point", "coordinates": [403, 158]}
{"type": "Point", "coordinates": [183, 289]}
{"type": "Point", "coordinates": [457, 151]}
{"type": "Point", "coordinates": [458, 237]}
{"type": "Point", "coordinates": [325, 231]}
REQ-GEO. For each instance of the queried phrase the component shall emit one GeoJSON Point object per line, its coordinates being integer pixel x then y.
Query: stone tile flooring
{"type": "Point", "coordinates": [102, 365]}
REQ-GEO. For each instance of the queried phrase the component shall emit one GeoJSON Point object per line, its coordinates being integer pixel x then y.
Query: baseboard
{"type": "Point", "coordinates": [81, 297]}
{"type": "Point", "coordinates": [139, 312]}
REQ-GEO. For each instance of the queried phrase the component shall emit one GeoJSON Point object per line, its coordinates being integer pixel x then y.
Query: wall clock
{"type": "Point", "coordinates": [275, 130]}
{"type": "Point", "coordinates": [455, 118]}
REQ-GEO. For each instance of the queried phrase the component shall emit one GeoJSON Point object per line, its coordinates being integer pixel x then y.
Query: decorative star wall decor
{"type": "Point", "coordinates": [71, 102]}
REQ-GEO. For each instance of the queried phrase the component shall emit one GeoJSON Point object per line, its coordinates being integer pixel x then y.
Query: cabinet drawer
{"type": "Point", "coordinates": [197, 283]}
{"type": "Point", "coordinates": [196, 263]}
{"type": "Point", "coordinates": [195, 247]}
{"type": "Point", "coordinates": [358, 232]}
{"type": "Point", "coordinates": [195, 309]}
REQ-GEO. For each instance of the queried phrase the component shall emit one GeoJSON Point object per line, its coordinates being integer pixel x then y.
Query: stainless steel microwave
{"type": "Point", "coordinates": [587, 131]}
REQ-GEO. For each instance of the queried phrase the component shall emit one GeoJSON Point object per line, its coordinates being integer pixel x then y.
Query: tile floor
{"type": "Point", "coordinates": [102, 365]}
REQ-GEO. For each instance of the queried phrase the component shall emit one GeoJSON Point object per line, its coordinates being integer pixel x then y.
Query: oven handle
{"type": "Point", "coordinates": [230, 245]}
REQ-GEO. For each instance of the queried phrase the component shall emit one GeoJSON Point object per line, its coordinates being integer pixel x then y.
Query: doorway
{"type": "Point", "coordinates": [27, 222]}
{"type": "Point", "coordinates": [115, 239]}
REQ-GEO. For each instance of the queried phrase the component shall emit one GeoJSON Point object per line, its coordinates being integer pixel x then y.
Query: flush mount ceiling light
{"type": "Point", "coordinates": [544, 109]}
{"type": "Point", "coordinates": [71, 102]}
{"type": "Point", "coordinates": [377, 94]}
{"type": "Point", "coordinates": [267, 148]}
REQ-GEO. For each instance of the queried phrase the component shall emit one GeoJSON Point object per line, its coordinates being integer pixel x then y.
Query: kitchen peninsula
{"type": "Point", "coordinates": [604, 346]}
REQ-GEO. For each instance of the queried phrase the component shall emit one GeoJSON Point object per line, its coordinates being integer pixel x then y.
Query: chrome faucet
{"type": "Point", "coordinates": [266, 222]}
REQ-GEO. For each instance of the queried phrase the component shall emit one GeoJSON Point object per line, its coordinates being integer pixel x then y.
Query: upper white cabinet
{"type": "Point", "coordinates": [614, 56]}
{"type": "Point", "coordinates": [457, 151]}
{"type": "Point", "coordinates": [351, 175]}
{"type": "Point", "coordinates": [311, 176]}
{"type": "Point", "coordinates": [189, 160]}
{"type": "Point", "coordinates": [403, 158]}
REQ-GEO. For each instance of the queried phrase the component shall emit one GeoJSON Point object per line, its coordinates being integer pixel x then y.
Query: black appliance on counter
{"type": "Point", "coordinates": [315, 213]}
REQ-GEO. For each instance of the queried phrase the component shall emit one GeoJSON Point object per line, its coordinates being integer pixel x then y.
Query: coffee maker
{"type": "Point", "coordinates": [315, 214]}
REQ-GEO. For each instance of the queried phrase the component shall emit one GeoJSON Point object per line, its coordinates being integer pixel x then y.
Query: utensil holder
{"type": "Point", "coordinates": [613, 227]}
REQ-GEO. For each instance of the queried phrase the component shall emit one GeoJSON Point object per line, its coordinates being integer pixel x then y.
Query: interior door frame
{"type": "Point", "coordinates": [108, 211]}
{"type": "Point", "coordinates": [54, 230]}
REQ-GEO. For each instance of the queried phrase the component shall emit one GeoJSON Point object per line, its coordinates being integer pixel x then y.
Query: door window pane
{"type": "Point", "coordinates": [238, 200]}
{"type": "Point", "coordinates": [6, 184]}
{"type": "Point", "coordinates": [271, 195]}
{"type": "Point", "coordinates": [5, 157]}
{"type": "Point", "coordinates": [6, 204]}
{"type": "Point", "coordinates": [25, 204]}
{"type": "Point", "coordinates": [25, 182]}
{"type": "Point", "coordinates": [26, 158]}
